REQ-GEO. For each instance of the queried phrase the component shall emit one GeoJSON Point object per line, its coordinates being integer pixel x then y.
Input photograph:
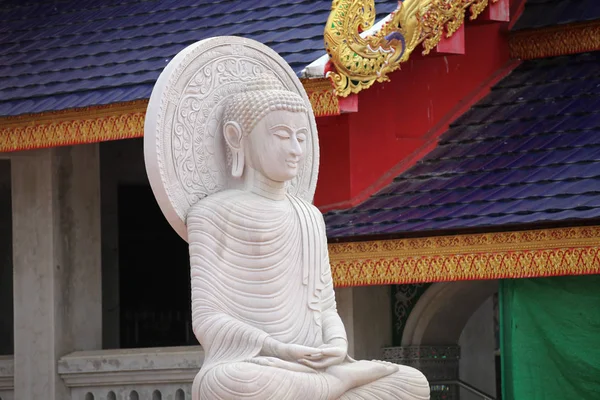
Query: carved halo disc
{"type": "Point", "coordinates": [184, 150]}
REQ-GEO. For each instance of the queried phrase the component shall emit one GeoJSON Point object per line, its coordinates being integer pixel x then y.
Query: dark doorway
{"type": "Point", "coordinates": [6, 264]}
{"type": "Point", "coordinates": [154, 274]}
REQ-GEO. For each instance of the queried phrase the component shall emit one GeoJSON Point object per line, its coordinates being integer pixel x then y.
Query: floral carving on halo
{"type": "Point", "coordinates": [357, 61]}
{"type": "Point", "coordinates": [183, 138]}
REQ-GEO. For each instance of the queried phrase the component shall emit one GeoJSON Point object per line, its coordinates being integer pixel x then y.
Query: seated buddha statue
{"type": "Point", "coordinates": [263, 304]}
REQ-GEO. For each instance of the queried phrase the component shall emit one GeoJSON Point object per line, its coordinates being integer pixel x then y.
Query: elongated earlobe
{"type": "Point", "coordinates": [233, 136]}
{"type": "Point", "coordinates": [237, 165]}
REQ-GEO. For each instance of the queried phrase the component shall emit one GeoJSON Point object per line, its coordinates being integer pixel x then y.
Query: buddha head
{"type": "Point", "coordinates": [266, 128]}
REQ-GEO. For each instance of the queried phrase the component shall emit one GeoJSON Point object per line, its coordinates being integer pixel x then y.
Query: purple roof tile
{"type": "Point", "coordinates": [541, 13]}
{"type": "Point", "coordinates": [60, 54]}
{"type": "Point", "coordinates": [527, 153]}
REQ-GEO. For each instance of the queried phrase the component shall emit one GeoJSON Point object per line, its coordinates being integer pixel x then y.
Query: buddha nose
{"type": "Point", "coordinates": [296, 149]}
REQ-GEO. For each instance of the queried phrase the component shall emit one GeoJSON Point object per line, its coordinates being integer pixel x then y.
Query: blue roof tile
{"type": "Point", "coordinates": [527, 153]}
{"type": "Point", "coordinates": [64, 54]}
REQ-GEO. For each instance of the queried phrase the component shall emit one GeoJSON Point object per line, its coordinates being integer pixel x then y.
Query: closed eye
{"type": "Point", "coordinates": [282, 135]}
{"type": "Point", "coordinates": [301, 137]}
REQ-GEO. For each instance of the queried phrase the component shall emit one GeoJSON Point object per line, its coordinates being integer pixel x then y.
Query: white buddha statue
{"type": "Point", "coordinates": [263, 305]}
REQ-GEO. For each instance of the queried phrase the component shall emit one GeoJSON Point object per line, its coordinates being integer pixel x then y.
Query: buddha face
{"type": "Point", "coordinates": [277, 144]}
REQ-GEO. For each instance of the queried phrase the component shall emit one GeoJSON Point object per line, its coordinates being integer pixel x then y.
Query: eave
{"type": "Point", "coordinates": [555, 41]}
{"type": "Point", "coordinates": [112, 122]}
{"type": "Point", "coordinates": [501, 255]}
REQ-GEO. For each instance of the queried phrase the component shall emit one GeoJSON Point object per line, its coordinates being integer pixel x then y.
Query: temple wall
{"type": "Point", "coordinates": [345, 307]}
{"type": "Point", "coordinates": [56, 255]}
{"type": "Point", "coordinates": [367, 316]}
{"type": "Point", "coordinates": [477, 345]}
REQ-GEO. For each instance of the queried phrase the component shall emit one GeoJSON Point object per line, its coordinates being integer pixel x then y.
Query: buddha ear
{"type": "Point", "coordinates": [233, 136]}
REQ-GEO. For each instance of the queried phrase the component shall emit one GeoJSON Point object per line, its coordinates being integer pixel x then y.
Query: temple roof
{"type": "Point", "coordinates": [544, 13]}
{"type": "Point", "coordinates": [63, 54]}
{"type": "Point", "coordinates": [56, 55]}
{"type": "Point", "coordinates": [527, 153]}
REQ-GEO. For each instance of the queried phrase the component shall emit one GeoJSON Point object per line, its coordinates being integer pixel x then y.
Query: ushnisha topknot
{"type": "Point", "coordinates": [260, 96]}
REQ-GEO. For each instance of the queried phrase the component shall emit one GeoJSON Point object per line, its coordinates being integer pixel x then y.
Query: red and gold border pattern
{"type": "Point", "coordinates": [536, 253]}
{"type": "Point", "coordinates": [112, 122]}
{"type": "Point", "coordinates": [322, 97]}
{"type": "Point", "coordinates": [63, 128]}
{"type": "Point", "coordinates": [555, 41]}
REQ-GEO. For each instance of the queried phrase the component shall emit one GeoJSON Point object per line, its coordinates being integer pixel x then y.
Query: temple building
{"type": "Point", "coordinates": [459, 182]}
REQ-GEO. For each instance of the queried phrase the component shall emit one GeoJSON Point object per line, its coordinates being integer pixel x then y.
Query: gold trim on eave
{"type": "Point", "coordinates": [555, 41]}
{"type": "Point", "coordinates": [322, 97]}
{"type": "Point", "coordinates": [535, 253]}
{"type": "Point", "coordinates": [112, 122]}
{"type": "Point", "coordinates": [70, 127]}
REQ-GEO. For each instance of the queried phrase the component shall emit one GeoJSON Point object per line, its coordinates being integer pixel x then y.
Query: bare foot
{"type": "Point", "coordinates": [360, 373]}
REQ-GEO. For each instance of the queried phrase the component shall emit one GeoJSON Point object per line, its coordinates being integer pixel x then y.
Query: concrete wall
{"type": "Point", "coordinates": [56, 260]}
{"type": "Point", "coordinates": [367, 315]}
{"type": "Point", "coordinates": [6, 265]}
{"type": "Point", "coordinates": [477, 346]}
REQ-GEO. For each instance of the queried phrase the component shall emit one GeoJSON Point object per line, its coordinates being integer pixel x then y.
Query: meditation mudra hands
{"type": "Point", "coordinates": [333, 353]}
{"type": "Point", "coordinates": [330, 358]}
{"type": "Point", "coordinates": [297, 357]}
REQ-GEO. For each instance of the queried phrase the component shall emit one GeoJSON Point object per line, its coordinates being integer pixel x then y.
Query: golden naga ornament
{"type": "Point", "coordinates": [359, 61]}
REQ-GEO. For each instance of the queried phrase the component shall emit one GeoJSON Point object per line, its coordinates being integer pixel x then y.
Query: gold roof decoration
{"type": "Point", "coordinates": [361, 61]}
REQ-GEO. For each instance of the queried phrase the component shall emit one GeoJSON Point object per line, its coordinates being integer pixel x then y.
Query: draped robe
{"type": "Point", "coordinates": [260, 268]}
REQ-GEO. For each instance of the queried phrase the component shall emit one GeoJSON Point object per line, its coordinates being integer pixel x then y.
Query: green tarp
{"type": "Point", "coordinates": [551, 338]}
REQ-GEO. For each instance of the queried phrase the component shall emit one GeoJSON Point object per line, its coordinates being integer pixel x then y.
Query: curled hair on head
{"type": "Point", "coordinates": [259, 97]}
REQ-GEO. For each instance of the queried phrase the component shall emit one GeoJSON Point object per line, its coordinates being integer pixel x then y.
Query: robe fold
{"type": "Point", "coordinates": [260, 268]}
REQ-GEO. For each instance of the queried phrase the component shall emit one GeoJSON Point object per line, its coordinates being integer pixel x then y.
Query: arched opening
{"type": "Point", "coordinates": [111, 396]}
{"type": "Point", "coordinates": [89, 396]}
{"type": "Point", "coordinates": [442, 312]}
{"type": "Point", "coordinates": [134, 395]}
{"type": "Point", "coordinates": [458, 318]}
{"type": "Point", "coordinates": [179, 395]}
{"type": "Point", "coordinates": [156, 395]}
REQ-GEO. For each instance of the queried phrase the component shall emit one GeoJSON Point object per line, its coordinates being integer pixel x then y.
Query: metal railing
{"type": "Point", "coordinates": [466, 386]}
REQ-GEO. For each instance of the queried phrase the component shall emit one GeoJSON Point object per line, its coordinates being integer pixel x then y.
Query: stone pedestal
{"type": "Point", "coordinates": [56, 260]}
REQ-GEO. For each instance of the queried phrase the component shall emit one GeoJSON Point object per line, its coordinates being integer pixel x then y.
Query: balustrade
{"type": "Point", "coordinates": [7, 372]}
{"type": "Point", "coordinates": [137, 374]}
